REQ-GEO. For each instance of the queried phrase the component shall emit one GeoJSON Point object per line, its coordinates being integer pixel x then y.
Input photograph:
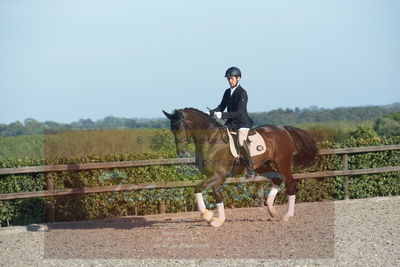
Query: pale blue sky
{"type": "Point", "coordinates": [66, 60]}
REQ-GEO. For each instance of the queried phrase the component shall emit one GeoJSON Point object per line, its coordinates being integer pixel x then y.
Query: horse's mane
{"type": "Point", "coordinates": [200, 114]}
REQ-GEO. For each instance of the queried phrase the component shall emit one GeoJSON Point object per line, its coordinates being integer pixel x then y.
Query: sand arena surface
{"type": "Point", "coordinates": [357, 232]}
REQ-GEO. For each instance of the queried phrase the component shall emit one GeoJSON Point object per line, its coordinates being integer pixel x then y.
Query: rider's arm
{"type": "Point", "coordinates": [241, 107]}
{"type": "Point", "coordinates": [224, 102]}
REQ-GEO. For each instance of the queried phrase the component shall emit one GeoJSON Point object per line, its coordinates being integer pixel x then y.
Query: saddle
{"type": "Point", "coordinates": [252, 132]}
{"type": "Point", "coordinates": [257, 143]}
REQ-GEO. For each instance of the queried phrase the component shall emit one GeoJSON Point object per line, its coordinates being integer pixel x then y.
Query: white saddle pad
{"type": "Point", "coordinates": [257, 144]}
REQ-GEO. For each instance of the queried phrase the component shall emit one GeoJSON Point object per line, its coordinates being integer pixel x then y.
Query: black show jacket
{"type": "Point", "coordinates": [236, 116]}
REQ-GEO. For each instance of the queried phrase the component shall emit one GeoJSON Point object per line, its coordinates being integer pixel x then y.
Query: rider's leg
{"type": "Point", "coordinates": [242, 140]}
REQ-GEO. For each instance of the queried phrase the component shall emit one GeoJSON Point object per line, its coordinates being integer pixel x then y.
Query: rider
{"type": "Point", "coordinates": [235, 99]}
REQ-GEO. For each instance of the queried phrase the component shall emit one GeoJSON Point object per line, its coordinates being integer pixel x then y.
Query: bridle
{"type": "Point", "coordinates": [181, 119]}
{"type": "Point", "coordinates": [185, 126]}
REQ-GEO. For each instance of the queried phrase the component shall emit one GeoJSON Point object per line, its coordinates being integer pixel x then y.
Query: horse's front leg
{"type": "Point", "coordinates": [215, 181]}
{"type": "Point", "coordinates": [205, 214]}
{"type": "Point", "coordinates": [218, 221]}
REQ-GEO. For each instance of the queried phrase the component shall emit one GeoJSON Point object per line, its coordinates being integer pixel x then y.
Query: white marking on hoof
{"type": "Point", "coordinates": [207, 215]}
{"type": "Point", "coordinates": [216, 222]}
{"type": "Point", "coordinates": [272, 211]}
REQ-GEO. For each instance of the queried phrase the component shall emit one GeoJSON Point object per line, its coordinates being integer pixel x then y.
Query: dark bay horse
{"type": "Point", "coordinates": [286, 145]}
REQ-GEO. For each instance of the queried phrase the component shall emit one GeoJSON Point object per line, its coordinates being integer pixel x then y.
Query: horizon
{"type": "Point", "coordinates": [66, 60]}
{"type": "Point", "coordinates": [141, 119]}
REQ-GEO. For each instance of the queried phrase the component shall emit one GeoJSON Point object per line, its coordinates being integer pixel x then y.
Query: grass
{"type": "Point", "coordinates": [78, 143]}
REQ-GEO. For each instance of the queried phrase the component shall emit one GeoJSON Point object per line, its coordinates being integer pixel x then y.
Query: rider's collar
{"type": "Point", "coordinates": [233, 88]}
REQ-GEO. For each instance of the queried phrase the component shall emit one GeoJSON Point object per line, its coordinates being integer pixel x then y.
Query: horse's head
{"type": "Point", "coordinates": [181, 131]}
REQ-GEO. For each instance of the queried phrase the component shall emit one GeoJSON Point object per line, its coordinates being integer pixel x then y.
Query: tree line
{"type": "Point", "coordinates": [31, 126]}
{"type": "Point", "coordinates": [386, 120]}
{"type": "Point", "coordinates": [317, 115]}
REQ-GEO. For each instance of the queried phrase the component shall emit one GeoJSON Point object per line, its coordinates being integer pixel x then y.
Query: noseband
{"type": "Point", "coordinates": [185, 126]}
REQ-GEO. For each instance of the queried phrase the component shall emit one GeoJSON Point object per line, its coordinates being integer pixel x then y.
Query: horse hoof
{"type": "Point", "coordinates": [272, 211]}
{"type": "Point", "coordinates": [207, 215]}
{"type": "Point", "coordinates": [216, 222]}
{"type": "Point", "coordinates": [285, 218]}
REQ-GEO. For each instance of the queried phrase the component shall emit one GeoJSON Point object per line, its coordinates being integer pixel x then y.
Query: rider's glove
{"type": "Point", "coordinates": [218, 114]}
{"type": "Point", "coordinates": [210, 113]}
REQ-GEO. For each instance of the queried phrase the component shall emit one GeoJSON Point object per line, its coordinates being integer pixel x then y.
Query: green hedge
{"type": "Point", "coordinates": [364, 186]}
{"type": "Point", "coordinates": [21, 211]}
{"type": "Point", "coordinates": [113, 204]}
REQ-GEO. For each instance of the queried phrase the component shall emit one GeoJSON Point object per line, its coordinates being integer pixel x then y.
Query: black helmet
{"type": "Point", "coordinates": [233, 71]}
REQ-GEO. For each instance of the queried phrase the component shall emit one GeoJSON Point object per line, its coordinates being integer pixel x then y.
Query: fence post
{"type": "Point", "coordinates": [50, 211]}
{"type": "Point", "coordinates": [261, 194]}
{"type": "Point", "coordinates": [345, 160]}
{"type": "Point", "coordinates": [161, 206]}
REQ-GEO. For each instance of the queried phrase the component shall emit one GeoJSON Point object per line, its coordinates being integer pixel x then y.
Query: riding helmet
{"type": "Point", "coordinates": [233, 71]}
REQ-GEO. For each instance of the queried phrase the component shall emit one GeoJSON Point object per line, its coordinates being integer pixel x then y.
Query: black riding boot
{"type": "Point", "coordinates": [250, 169]}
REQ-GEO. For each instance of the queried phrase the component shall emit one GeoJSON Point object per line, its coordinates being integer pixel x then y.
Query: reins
{"type": "Point", "coordinates": [214, 125]}
{"type": "Point", "coordinates": [221, 130]}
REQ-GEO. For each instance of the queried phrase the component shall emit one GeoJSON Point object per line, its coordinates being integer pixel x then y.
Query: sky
{"type": "Point", "coordinates": [68, 60]}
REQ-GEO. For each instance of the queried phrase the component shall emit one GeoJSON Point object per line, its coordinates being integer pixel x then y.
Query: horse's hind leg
{"type": "Point", "coordinates": [284, 167]}
{"type": "Point", "coordinates": [270, 173]}
{"type": "Point", "coordinates": [291, 191]}
{"type": "Point", "coordinates": [271, 198]}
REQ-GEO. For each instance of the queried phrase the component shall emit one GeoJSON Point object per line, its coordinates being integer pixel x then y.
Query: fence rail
{"type": "Point", "coordinates": [141, 163]}
{"type": "Point", "coordinates": [50, 192]}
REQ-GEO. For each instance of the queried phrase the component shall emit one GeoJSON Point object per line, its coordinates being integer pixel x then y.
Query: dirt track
{"type": "Point", "coordinates": [357, 232]}
{"type": "Point", "coordinates": [248, 233]}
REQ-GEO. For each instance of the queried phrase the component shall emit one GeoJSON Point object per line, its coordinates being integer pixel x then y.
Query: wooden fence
{"type": "Point", "coordinates": [50, 192]}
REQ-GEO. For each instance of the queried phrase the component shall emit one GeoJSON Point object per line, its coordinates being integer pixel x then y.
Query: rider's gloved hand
{"type": "Point", "coordinates": [218, 114]}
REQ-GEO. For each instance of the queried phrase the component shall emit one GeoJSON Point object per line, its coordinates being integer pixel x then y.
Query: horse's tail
{"type": "Point", "coordinates": [306, 150]}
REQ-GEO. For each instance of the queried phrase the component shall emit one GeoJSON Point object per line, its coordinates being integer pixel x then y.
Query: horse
{"type": "Point", "coordinates": [286, 146]}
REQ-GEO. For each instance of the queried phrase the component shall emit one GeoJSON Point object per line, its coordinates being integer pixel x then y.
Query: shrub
{"type": "Point", "coordinates": [140, 202]}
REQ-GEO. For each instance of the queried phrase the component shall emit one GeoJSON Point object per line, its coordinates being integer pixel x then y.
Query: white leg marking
{"type": "Point", "coordinates": [218, 221]}
{"type": "Point", "coordinates": [200, 202]}
{"type": "Point", "coordinates": [290, 210]}
{"type": "Point", "coordinates": [272, 194]}
{"type": "Point", "coordinates": [270, 200]}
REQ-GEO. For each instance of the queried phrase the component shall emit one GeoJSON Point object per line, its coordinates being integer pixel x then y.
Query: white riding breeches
{"type": "Point", "coordinates": [242, 135]}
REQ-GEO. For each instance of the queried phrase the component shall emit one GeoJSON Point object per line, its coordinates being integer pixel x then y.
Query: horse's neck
{"type": "Point", "coordinates": [205, 134]}
{"type": "Point", "coordinates": [206, 140]}
{"type": "Point", "coordinates": [202, 134]}
{"type": "Point", "coordinates": [201, 125]}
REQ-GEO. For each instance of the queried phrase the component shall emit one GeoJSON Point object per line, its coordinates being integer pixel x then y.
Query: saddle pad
{"type": "Point", "coordinates": [257, 144]}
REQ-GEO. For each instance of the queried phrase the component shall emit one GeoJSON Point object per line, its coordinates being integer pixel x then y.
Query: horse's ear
{"type": "Point", "coordinates": [169, 116]}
